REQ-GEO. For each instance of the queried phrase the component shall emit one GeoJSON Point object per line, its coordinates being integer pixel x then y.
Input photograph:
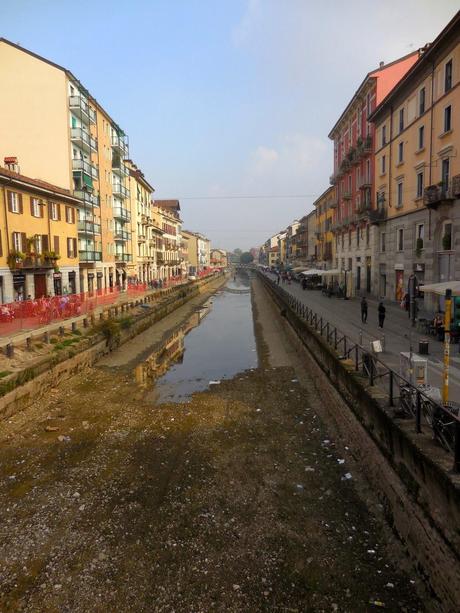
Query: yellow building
{"type": "Point", "coordinates": [38, 238]}
{"type": "Point", "coordinates": [219, 258]}
{"type": "Point", "coordinates": [145, 233]}
{"type": "Point", "coordinates": [325, 206]}
{"type": "Point", "coordinates": [417, 169]}
{"type": "Point", "coordinates": [166, 215]}
{"type": "Point", "coordinates": [66, 137]}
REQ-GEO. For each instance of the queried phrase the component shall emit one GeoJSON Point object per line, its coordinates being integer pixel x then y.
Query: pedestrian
{"type": "Point", "coordinates": [304, 283]}
{"type": "Point", "coordinates": [363, 310]}
{"type": "Point", "coordinates": [381, 310]}
{"type": "Point", "coordinates": [278, 279]}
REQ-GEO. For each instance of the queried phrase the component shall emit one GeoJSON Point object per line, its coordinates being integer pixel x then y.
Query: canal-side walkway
{"type": "Point", "coordinates": [397, 333]}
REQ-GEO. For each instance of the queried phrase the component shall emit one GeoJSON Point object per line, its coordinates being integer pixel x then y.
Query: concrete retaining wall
{"type": "Point", "coordinates": [420, 497]}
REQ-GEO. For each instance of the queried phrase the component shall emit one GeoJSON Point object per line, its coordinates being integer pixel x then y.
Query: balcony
{"type": "Point", "coordinates": [88, 199]}
{"type": "Point", "coordinates": [160, 256]}
{"type": "Point", "coordinates": [364, 146]}
{"type": "Point", "coordinates": [365, 183]}
{"type": "Point", "coordinates": [83, 139]}
{"type": "Point", "coordinates": [120, 235]}
{"type": "Point", "coordinates": [123, 257]}
{"type": "Point", "coordinates": [86, 168]}
{"type": "Point", "coordinates": [121, 213]}
{"type": "Point", "coordinates": [120, 190]}
{"type": "Point", "coordinates": [90, 256]}
{"type": "Point", "coordinates": [377, 215]}
{"type": "Point", "coordinates": [88, 227]}
{"type": "Point", "coordinates": [141, 238]}
{"type": "Point", "coordinates": [333, 203]}
{"type": "Point", "coordinates": [118, 167]}
{"type": "Point", "coordinates": [80, 107]}
{"type": "Point", "coordinates": [346, 195]}
{"type": "Point", "coordinates": [36, 262]}
{"type": "Point", "coordinates": [120, 145]}
{"type": "Point", "coordinates": [434, 195]}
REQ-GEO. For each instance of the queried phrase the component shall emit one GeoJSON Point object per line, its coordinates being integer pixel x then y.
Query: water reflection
{"type": "Point", "coordinates": [217, 342]}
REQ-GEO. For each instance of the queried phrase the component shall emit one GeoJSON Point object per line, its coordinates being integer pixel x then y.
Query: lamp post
{"type": "Point", "coordinates": [412, 304]}
{"type": "Point", "coordinates": [445, 375]}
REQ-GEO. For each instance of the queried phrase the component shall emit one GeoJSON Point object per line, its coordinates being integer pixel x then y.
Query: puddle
{"type": "Point", "coordinates": [216, 343]}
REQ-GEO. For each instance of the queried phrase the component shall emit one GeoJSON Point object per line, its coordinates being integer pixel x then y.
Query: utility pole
{"type": "Point", "coordinates": [445, 376]}
{"type": "Point", "coordinates": [412, 292]}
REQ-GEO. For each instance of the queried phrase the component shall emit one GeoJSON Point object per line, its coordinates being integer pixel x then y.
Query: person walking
{"type": "Point", "coordinates": [278, 279]}
{"type": "Point", "coordinates": [363, 310]}
{"type": "Point", "coordinates": [381, 310]}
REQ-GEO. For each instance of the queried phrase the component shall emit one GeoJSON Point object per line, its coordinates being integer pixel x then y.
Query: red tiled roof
{"type": "Point", "coordinates": [10, 174]}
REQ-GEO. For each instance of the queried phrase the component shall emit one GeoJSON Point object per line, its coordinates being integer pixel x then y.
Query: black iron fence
{"type": "Point", "coordinates": [408, 400]}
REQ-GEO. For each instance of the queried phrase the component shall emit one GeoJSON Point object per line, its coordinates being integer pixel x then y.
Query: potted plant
{"type": "Point", "coordinates": [15, 259]}
{"type": "Point", "coordinates": [418, 247]}
{"type": "Point", "coordinates": [51, 256]}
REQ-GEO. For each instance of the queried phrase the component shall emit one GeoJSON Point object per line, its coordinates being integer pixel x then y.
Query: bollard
{"type": "Point", "coordinates": [10, 350]}
{"type": "Point", "coordinates": [74, 326]}
{"type": "Point", "coordinates": [122, 308]}
{"type": "Point", "coordinates": [101, 316]}
{"type": "Point", "coordinates": [29, 343]}
{"type": "Point", "coordinates": [85, 322]}
{"type": "Point", "coordinates": [116, 311]}
{"type": "Point", "coordinates": [46, 337]}
{"type": "Point", "coordinates": [93, 320]}
{"type": "Point", "coordinates": [61, 330]}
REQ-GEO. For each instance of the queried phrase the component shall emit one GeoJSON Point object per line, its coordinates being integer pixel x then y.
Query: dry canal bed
{"type": "Point", "coordinates": [233, 501]}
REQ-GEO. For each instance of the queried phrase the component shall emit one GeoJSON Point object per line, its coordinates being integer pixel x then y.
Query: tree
{"type": "Point", "coordinates": [246, 257]}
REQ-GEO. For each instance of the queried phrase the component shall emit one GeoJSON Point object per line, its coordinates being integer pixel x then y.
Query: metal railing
{"type": "Point", "coordinates": [407, 399]}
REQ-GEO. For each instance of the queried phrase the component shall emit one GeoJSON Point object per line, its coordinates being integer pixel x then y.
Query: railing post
{"type": "Point", "coordinates": [356, 358]}
{"type": "Point", "coordinates": [390, 392]}
{"type": "Point", "coordinates": [360, 337]}
{"type": "Point", "coordinates": [345, 346]}
{"type": "Point", "coordinates": [321, 326]}
{"type": "Point", "coordinates": [418, 407]}
{"type": "Point", "coordinates": [371, 370]}
{"type": "Point", "coordinates": [327, 332]}
{"type": "Point", "coordinates": [335, 338]}
{"type": "Point", "coordinates": [457, 447]}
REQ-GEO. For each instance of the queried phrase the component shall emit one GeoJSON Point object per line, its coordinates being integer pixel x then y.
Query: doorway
{"type": "Point", "coordinates": [40, 285]}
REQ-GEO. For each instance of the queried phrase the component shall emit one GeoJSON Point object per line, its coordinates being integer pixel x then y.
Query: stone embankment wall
{"type": "Point", "coordinates": [419, 494]}
{"type": "Point", "coordinates": [33, 382]}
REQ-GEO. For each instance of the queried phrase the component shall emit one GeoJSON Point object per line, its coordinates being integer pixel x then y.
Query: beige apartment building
{"type": "Point", "coordinates": [62, 135]}
{"type": "Point", "coordinates": [166, 215]}
{"type": "Point", "coordinates": [417, 169]}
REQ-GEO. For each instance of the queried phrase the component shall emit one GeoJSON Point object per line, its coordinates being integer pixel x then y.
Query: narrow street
{"type": "Point", "coordinates": [238, 499]}
{"type": "Point", "coordinates": [398, 332]}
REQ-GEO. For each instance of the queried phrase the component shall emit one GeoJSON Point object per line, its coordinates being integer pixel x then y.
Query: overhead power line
{"type": "Point", "coordinates": [263, 197]}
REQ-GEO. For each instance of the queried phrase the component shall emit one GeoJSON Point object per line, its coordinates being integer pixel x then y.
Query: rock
{"type": "Point", "coordinates": [76, 495]}
{"type": "Point", "coordinates": [51, 428]}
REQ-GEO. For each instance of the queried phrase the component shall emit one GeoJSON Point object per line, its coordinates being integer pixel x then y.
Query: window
{"type": "Point", "coordinates": [419, 184]}
{"type": "Point", "coordinates": [447, 236]}
{"type": "Point", "coordinates": [368, 235]}
{"type": "Point", "coordinates": [401, 152]}
{"type": "Point", "coordinates": [357, 237]}
{"type": "Point", "coordinates": [445, 171]}
{"type": "Point", "coordinates": [14, 202]}
{"type": "Point", "coordinates": [419, 236]}
{"type": "Point", "coordinates": [56, 246]}
{"type": "Point", "coordinates": [343, 240]}
{"type": "Point", "coordinates": [399, 195]}
{"type": "Point", "coordinates": [35, 208]}
{"type": "Point", "coordinates": [384, 135]}
{"type": "Point", "coordinates": [421, 101]}
{"type": "Point", "coordinates": [69, 214]}
{"type": "Point", "coordinates": [349, 238]}
{"type": "Point", "coordinates": [71, 247]}
{"type": "Point", "coordinates": [383, 164]}
{"type": "Point", "coordinates": [401, 120]}
{"type": "Point", "coordinates": [448, 118]}
{"type": "Point", "coordinates": [382, 241]}
{"type": "Point", "coordinates": [421, 137]}
{"type": "Point", "coordinates": [448, 76]}
{"type": "Point", "coordinates": [400, 239]}
{"type": "Point", "coordinates": [17, 241]}
{"type": "Point", "coordinates": [55, 211]}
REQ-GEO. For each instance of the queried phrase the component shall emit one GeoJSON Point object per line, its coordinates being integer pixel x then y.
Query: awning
{"type": "Point", "coordinates": [312, 273]}
{"type": "Point", "coordinates": [440, 288]}
{"type": "Point", "coordinates": [88, 180]}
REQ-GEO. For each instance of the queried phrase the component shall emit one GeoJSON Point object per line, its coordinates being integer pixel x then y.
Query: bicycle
{"type": "Point", "coordinates": [444, 425]}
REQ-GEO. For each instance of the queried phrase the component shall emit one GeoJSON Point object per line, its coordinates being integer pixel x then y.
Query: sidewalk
{"type": "Point", "coordinates": [397, 334]}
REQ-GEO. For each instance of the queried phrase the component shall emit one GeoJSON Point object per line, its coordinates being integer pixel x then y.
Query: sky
{"type": "Point", "coordinates": [227, 103]}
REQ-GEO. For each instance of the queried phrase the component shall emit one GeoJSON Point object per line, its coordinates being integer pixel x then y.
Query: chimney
{"type": "Point", "coordinates": [381, 65]}
{"type": "Point", "coordinates": [11, 163]}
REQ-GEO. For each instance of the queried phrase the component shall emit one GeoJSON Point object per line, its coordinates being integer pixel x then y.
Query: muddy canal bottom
{"type": "Point", "coordinates": [237, 501]}
{"type": "Point", "coordinates": [216, 343]}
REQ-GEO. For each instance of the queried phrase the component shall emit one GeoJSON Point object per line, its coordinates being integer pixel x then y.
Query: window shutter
{"type": "Point", "coordinates": [32, 206]}
{"type": "Point", "coordinates": [23, 242]}
{"type": "Point", "coordinates": [42, 209]}
{"type": "Point", "coordinates": [56, 245]}
{"type": "Point", "coordinates": [73, 215]}
{"type": "Point", "coordinates": [21, 210]}
{"type": "Point", "coordinates": [74, 244]}
{"type": "Point", "coordinates": [58, 211]}
{"type": "Point", "coordinates": [68, 247]}
{"type": "Point", "coordinates": [1, 248]}
{"type": "Point", "coordinates": [45, 243]}
{"type": "Point", "coordinates": [9, 197]}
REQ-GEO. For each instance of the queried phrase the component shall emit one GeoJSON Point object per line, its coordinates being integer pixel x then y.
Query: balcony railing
{"type": "Point", "coordinates": [346, 195]}
{"type": "Point", "coordinates": [90, 256]}
{"type": "Point", "coordinates": [119, 143]}
{"type": "Point", "coordinates": [118, 167]}
{"type": "Point", "coordinates": [87, 198]}
{"type": "Point", "coordinates": [120, 190]}
{"type": "Point", "coordinates": [86, 167]}
{"type": "Point", "coordinates": [83, 139]}
{"type": "Point", "coordinates": [141, 238]}
{"type": "Point", "coordinates": [443, 193]}
{"type": "Point", "coordinates": [333, 203]}
{"type": "Point", "coordinates": [123, 257]}
{"type": "Point", "coordinates": [365, 183]}
{"type": "Point", "coordinates": [121, 213]}
{"type": "Point", "coordinates": [121, 235]}
{"type": "Point", "coordinates": [89, 227]}
{"type": "Point", "coordinates": [377, 215]}
{"type": "Point", "coordinates": [80, 107]}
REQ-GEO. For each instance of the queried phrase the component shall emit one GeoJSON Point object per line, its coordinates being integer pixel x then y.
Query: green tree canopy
{"type": "Point", "coordinates": [246, 257]}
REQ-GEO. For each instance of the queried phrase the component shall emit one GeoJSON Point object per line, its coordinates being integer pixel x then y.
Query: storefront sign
{"type": "Point", "coordinates": [57, 275]}
{"type": "Point", "coordinates": [419, 267]}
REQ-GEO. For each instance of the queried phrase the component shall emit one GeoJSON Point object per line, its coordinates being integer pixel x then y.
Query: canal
{"type": "Point", "coordinates": [190, 470]}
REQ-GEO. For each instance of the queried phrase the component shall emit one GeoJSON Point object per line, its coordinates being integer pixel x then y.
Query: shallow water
{"type": "Point", "coordinates": [217, 343]}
